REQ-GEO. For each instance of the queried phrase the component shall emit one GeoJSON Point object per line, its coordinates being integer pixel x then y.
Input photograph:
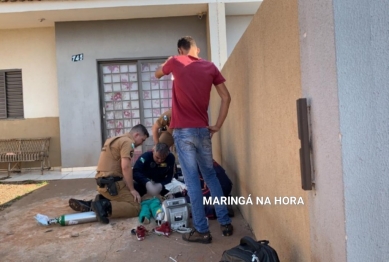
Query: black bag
{"type": "Point", "coordinates": [250, 250]}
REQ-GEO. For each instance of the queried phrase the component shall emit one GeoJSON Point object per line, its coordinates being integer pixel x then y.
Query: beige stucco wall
{"type": "Point", "coordinates": [33, 128]}
{"type": "Point", "coordinates": [33, 51]}
{"type": "Point", "coordinates": [258, 144]}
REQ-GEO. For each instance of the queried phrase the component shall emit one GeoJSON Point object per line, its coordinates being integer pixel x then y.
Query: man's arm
{"type": "Point", "coordinates": [159, 73]}
{"type": "Point", "coordinates": [223, 111]}
{"type": "Point", "coordinates": [155, 129]}
{"type": "Point", "coordinates": [127, 176]}
{"type": "Point", "coordinates": [170, 160]}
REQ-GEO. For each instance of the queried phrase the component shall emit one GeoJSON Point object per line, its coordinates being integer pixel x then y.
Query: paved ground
{"type": "Point", "coordinates": [35, 175]}
{"type": "Point", "coordinates": [22, 239]}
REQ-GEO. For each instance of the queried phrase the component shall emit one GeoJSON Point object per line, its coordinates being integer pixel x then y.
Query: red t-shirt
{"type": "Point", "coordinates": [193, 80]}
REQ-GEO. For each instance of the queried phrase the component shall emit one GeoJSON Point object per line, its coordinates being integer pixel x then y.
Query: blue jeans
{"type": "Point", "coordinates": [194, 149]}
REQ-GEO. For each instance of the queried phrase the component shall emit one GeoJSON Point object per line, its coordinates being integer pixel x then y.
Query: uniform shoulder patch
{"type": "Point", "coordinates": [142, 160]}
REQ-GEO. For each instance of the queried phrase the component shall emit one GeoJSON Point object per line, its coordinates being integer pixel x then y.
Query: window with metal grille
{"type": "Point", "coordinates": [11, 94]}
{"type": "Point", "coordinates": [131, 95]}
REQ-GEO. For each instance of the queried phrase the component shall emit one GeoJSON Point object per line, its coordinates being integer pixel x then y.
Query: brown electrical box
{"type": "Point", "coordinates": [305, 150]}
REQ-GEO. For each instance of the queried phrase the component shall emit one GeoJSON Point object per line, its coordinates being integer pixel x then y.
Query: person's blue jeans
{"type": "Point", "coordinates": [194, 149]}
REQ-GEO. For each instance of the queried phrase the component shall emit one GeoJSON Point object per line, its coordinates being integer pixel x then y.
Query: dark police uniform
{"type": "Point", "coordinates": [146, 169]}
{"type": "Point", "coordinates": [114, 149]}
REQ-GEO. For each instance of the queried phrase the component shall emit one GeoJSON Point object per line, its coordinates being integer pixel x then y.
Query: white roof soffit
{"type": "Point", "coordinates": [30, 14]}
{"type": "Point", "coordinates": [249, 8]}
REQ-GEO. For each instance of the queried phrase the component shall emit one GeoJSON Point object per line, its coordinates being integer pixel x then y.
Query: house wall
{"type": "Point", "coordinates": [235, 27]}
{"type": "Point", "coordinates": [345, 77]}
{"type": "Point", "coordinates": [78, 82]}
{"type": "Point", "coordinates": [33, 51]}
{"type": "Point", "coordinates": [320, 87]}
{"type": "Point", "coordinates": [258, 143]}
{"type": "Point", "coordinates": [362, 55]}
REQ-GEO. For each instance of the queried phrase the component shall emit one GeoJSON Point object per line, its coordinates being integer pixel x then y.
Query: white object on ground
{"type": "Point", "coordinates": [42, 219]}
{"type": "Point", "coordinates": [175, 187]}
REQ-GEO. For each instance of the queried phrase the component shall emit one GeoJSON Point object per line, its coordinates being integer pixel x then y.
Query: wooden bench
{"type": "Point", "coordinates": [18, 150]}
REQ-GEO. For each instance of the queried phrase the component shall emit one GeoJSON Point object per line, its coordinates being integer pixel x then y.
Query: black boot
{"type": "Point", "coordinates": [99, 197]}
{"type": "Point", "coordinates": [103, 209]}
{"type": "Point", "coordinates": [80, 205]}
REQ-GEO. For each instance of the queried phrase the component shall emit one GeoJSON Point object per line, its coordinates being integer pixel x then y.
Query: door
{"type": "Point", "coordinates": [130, 95]}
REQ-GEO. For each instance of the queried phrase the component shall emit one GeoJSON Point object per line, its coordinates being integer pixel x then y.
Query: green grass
{"type": "Point", "coordinates": [42, 183]}
{"type": "Point", "coordinates": [16, 191]}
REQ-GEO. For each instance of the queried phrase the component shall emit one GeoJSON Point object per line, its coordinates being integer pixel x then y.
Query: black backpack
{"type": "Point", "coordinates": [250, 250]}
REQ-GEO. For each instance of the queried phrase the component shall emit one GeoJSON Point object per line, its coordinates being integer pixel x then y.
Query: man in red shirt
{"type": "Point", "coordinates": [193, 80]}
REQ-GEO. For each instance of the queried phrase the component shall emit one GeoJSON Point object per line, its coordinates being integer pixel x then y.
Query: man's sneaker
{"type": "Point", "coordinates": [195, 236]}
{"type": "Point", "coordinates": [80, 205]}
{"type": "Point", "coordinates": [227, 230]}
{"type": "Point", "coordinates": [140, 233]}
{"type": "Point", "coordinates": [164, 229]}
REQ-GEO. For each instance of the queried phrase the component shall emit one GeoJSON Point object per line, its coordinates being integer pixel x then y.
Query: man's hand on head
{"type": "Point", "coordinates": [159, 72]}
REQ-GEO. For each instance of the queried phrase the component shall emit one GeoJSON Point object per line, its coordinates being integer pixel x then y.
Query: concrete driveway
{"type": "Point", "coordinates": [22, 239]}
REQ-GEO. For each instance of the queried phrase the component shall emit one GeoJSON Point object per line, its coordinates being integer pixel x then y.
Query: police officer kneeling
{"type": "Point", "coordinates": [117, 196]}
